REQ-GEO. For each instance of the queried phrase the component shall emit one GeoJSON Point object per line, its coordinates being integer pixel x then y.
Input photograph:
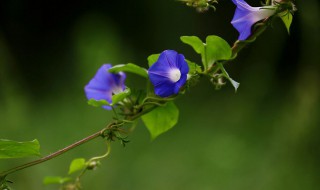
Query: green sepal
{"type": "Point", "coordinates": [217, 49]}
{"type": "Point", "coordinates": [115, 99]}
{"type": "Point", "coordinates": [152, 59]}
{"type": "Point", "coordinates": [234, 83]}
{"type": "Point", "coordinates": [14, 149]}
{"type": "Point", "coordinates": [193, 67]}
{"type": "Point", "coordinates": [77, 165]}
{"type": "Point", "coordinates": [161, 119]}
{"type": "Point", "coordinates": [120, 96]}
{"type": "Point", "coordinates": [55, 180]}
{"type": "Point", "coordinates": [131, 68]}
{"type": "Point", "coordinates": [286, 18]}
{"type": "Point", "coordinates": [98, 103]}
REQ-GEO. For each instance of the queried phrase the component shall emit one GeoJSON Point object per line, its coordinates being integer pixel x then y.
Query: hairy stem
{"type": "Point", "coordinates": [57, 153]}
{"type": "Point", "coordinates": [239, 45]}
{"type": "Point", "coordinates": [78, 143]}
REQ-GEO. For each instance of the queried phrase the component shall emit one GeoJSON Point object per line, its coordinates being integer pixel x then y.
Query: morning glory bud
{"type": "Point", "coordinates": [105, 84]}
{"type": "Point", "coordinates": [245, 16]}
{"type": "Point", "coordinates": [169, 73]}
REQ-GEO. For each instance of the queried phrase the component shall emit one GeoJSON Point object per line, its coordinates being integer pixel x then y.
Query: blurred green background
{"type": "Point", "coordinates": [265, 136]}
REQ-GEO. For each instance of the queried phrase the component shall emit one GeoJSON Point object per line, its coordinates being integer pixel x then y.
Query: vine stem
{"type": "Point", "coordinates": [72, 146]}
{"type": "Point", "coordinates": [238, 45]}
{"type": "Point", "coordinates": [57, 153]}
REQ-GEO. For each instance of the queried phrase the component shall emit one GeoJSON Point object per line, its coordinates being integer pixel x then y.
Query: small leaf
{"type": "Point", "coordinates": [130, 67]}
{"type": "Point", "coordinates": [234, 83]}
{"type": "Point", "coordinates": [120, 96]}
{"type": "Point", "coordinates": [98, 103]}
{"type": "Point", "coordinates": [197, 45]}
{"type": "Point", "coordinates": [193, 67]}
{"type": "Point", "coordinates": [286, 18]}
{"type": "Point", "coordinates": [55, 180]}
{"type": "Point", "coordinates": [152, 59]}
{"type": "Point", "coordinates": [194, 42]}
{"type": "Point", "coordinates": [14, 149]}
{"type": "Point", "coordinates": [217, 49]}
{"type": "Point", "coordinates": [76, 165]}
{"type": "Point", "coordinates": [161, 119]}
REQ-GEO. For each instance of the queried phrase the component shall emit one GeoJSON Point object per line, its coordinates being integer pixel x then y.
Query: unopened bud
{"type": "Point", "coordinates": [93, 165]}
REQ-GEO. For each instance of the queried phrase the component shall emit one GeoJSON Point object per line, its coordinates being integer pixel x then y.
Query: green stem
{"type": "Point", "coordinates": [102, 156]}
{"type": "Point", "coordinates": [239, 45]}
{"type": "Point", "coordinates": [72, 146]}
{"type": "Point", "coordinates": [268, 2]}
{"type": "Point", "coordinates": [57, 153]}
{"type": "Point", "coordinates": [77, 180]}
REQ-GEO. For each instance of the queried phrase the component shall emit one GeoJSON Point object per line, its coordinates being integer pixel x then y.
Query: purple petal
{"type": "Point", "coordinates": [158, 78]}
{"type": "Point", "coordinates": [180, 83]}
{"type": "Point", "coordinates": [102, 75]}
{"type": "Point", "coordinates": [164, 62]}
{"type": "Point", "coordinates": [183, 65]}
{"type": "Point", "coordinates": [245, 16]}
{"type": "Point", "coordinates": [104, 84]}
{"type": "Point", "coordinates": [171, 58]}
{"type": "Point", "coordinates": [119, 80]}
{"type": "Point", "coordinates": [165, 89]}
{"type": "Point", "coordinates": [98, 94]}
{"type": "Point", "coordinates": [169, 73]}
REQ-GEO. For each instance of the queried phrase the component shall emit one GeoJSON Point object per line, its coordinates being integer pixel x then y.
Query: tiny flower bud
{"type": "Point", "coordinates": [93, 165]}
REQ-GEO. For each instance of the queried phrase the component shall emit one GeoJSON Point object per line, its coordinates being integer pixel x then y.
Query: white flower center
{"type": "Point", "coordinates": [117, 90]}
{"type": "Point", "coordinates": [174, 75]}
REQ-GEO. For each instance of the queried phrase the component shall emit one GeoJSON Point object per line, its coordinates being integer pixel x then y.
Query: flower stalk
{"type": "Point", "coordinates": [168, 76]}
{"type": "Point", "coordinates": [59, 152]}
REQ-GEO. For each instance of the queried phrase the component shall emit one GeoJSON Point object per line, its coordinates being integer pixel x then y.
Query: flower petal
{"type": "Point", "coordinates": [165, 89]}
{"type": "Point", "coordinates": [245, 16]}
{"type": "Point", "coordinates": [118, 79]}
{"type": "Point", "coordinates": [180, 83]}
{"type": "Point", "coordinates": [104, 84]}
{"type": "Point", "coordinates": [183, 66]}
{"type": "Point", "coordinates": [158, 78]}
{"type": "Point", "coordinates": [169, 73]}
{"type": "Point", "coordinates": [98, 94]}
{"type": "Point", "coordinates": [101, 77]}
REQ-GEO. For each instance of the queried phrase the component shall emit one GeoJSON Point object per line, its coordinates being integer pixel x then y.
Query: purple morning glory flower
{"type": "Point", "coordinates": [105, 84]}
{"type": "Point", "coordinates": [169, 73]}
{"type": "Point", "coordinates": [245, 16]}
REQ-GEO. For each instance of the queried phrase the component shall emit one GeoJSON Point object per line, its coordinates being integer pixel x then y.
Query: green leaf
{"type": "Point", "coordinates": [234, 83]}
{"type": "Point", "coordinates": [152, 59]}
{"type": "Point", "coordinates": [55, 180]}
{"type": "Point", "coordinates": [161, 119]}
{"type": "Point", "coordinates": [194, 42]}
{"type": "Point", "coordinates": [197, 45]}
{"type": "Point", "coordinates": [76, 165]}
{"type": "Point", "coordinates": [98, 103]}
{"type": "Point", "coordinates": [14, 149]}
{"type": "Point", "coordinates": [286, 18]}
{"type": "Point", "coordinates": [115, 99]}
{"type": "Point", "coordinates": [130, 67]}
{"type": "Point", "coordinates": [120, 96]}
{"type": "Point", "coordinates": [193, 67]}
{"type": "Point", "coordinates": [216, 49]}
